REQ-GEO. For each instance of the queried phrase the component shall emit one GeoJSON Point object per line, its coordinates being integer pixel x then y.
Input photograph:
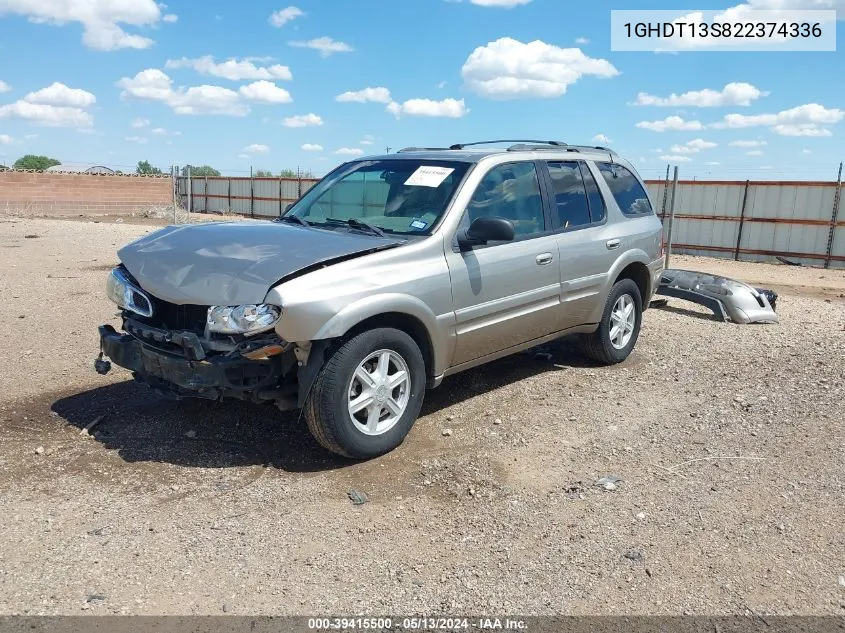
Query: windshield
{"type": "Point", "coordinates": [403, 196]}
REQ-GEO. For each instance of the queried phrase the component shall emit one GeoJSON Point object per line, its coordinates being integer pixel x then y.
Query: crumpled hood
{"type": "Point", "coordinates": [233, 263]}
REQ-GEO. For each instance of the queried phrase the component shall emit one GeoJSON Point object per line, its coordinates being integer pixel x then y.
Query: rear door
{"type": "Point", "coordinates": [587, 244]}
{"type": "Point", "coordinates": [506, 293]}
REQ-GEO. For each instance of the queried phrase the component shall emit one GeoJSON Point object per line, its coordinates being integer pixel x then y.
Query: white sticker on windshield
{"type": "Point", "coordinates": [418, 224]}
{"type": "Point", "coordinates": [429, 176]}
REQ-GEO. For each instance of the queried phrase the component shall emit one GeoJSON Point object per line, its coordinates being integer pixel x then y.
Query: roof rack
{"type": "Point", "coordinates": [422, 149]}
{"type": "Point", "coordinates": [526, 141]}
{"type": "Point", "coordinates": [518, 146]}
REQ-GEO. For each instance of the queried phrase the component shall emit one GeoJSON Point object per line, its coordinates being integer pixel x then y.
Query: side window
{"type": "Point", "coordinates": [510, 191]}
{"type": "Point", "coordinates": [626, 189]}
{"type": "Point", "coordinates": [570, 198]}
{"type": "Point", "coordinates": [598, 209]}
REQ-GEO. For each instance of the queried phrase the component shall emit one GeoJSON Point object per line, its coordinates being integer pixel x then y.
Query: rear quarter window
{"type": "Point", "coordinates": [626, 189]}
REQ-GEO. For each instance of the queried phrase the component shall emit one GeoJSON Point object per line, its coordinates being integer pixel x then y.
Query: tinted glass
{"type": "Point", "coordinates": [626, 189]}
{"type": "Point", "coordinates": [510, 191]}
{"type": "Point", "coordinates": [398, 196]}
{"type": "Point", "coordinates": [570, 198]}
{"type": "Point", "coordinates": [597, 207]}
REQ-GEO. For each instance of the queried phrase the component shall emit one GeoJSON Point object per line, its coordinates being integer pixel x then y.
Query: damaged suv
{"type": "Point", "coordinates": [391, 273]}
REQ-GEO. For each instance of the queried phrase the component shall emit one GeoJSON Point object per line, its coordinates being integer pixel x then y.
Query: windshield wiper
{"type": "Point", "coordinates": [293, 218]}
{"type": "Point", "coordinates": [358, 224]}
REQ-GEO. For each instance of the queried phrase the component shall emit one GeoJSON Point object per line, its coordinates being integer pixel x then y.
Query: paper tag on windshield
{"type": "Point", "coordinates": [428, 176]}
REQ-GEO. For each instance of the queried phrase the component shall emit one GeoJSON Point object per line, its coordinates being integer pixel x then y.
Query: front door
{"type": "Point", "coordinates": [506, 293]}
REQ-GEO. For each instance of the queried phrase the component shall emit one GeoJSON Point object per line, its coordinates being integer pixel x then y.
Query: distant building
{"type": "Point", "coordinates": [3, 168]}
{"type": "Point", "coordinates": [82, 169]}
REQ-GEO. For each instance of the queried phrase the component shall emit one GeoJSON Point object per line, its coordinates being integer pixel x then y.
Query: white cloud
{"type": "Point", "coordinates": [449, 108]}
{"type": "Point", "coordinates": [153, 84]}
{"type": "Point", "coordinates": [675, 159]}
{"type": "Point", "coordinates": [303, 120]}
{"type": "Point", "coordinates": [233, 69]}
{"type": "Point", "coordinates": [733, 94]}
{"type": "Point", "coordinates": [510, 69]}
{"type": "Point", "coordinates": [806, 151]}
{"type": "Point", "coordinates": [160, 131]}
{"type": "Point", "coordinates": [602, 139]}
{"type": "Point", "coordinates": [139, 123]}
{"type": "Point", "coordinates": [325, 45]}
{"type": "Point", "coordinates": [803, 120]}
{"type": "Point", "coordinates": [349, 151]}
{"type": "Point", "coordinates": [712, 163]}
{"type": "Point", "coordinates": [673, 123]}
{"type": "Point", "coordinates": [283, 16]}
{"type": "Point", "coordinates": [4, 87]}
{"type": "Point", "coordinates": [693, 147]}
{"type": "Point", "coordinates": [5, 139]}
{"type": "Point", "coordinates": [265, 92]}
{"type": "Point", "coordinates": [256, 148]}
{"type": "Point", "coordinates": [170, 18]}
{"type": "Point", "coordinates": [136, 139]}
{"type": "Point", "coordinates": [505, 4]}
{"type": "Point", "coordinates": [99, 19]}
{"type": "Point", "coordinates": [58, 94]}
{"type": "Point", "coordinates": [747, 143]}
{"type": "Point", "coordinates": [312, 147]}
{"type": "Point", "coordinates": [754, 152]}
{"type": "Point", "coordinates": [47, 115]}
{"type": "Point", "coordinates": [803, 129]}
{"type": "Point", "coordinates": [582, 40]}
{"type": "Point", "coordinates": [368, 139]}
{"type": "Point", "coordinates": [374, 95]}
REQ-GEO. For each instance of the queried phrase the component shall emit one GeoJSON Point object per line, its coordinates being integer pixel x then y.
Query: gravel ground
{"type": "Point", "coordinates": [727, 439]}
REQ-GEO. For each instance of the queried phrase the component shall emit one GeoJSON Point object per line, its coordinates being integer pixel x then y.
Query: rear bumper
{"type": "Point", "coordinates": [176, 374]}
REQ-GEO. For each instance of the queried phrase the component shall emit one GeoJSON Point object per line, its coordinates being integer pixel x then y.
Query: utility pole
{"type": "Point", "coordinates": [387, 150]}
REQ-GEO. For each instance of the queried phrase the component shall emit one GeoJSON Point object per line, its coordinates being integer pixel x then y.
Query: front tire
{"type": "Point", "coordinates": [620, 325]}
{"type": "Point", "coordinates": [368, 395]}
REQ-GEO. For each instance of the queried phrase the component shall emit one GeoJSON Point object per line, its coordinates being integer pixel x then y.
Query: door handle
{"type": "Point", "coordinates": [613, 244]}
{"type": "Point", "coordinates": [544, 258]}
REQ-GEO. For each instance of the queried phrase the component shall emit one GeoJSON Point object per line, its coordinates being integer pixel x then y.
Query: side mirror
{"type": "Point", "coordinates": [483, 230]}
{"type": "Point", "coordinates": [286, 206]}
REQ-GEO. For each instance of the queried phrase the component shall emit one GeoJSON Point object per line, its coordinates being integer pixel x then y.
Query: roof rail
{"type": "Point", "coordinates": [528, 141]}
{"type": "Point", "coordinates": [422, 149]}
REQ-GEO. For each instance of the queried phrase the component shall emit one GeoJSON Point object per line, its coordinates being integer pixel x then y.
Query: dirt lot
{"type": "Point", "coordinates": [728, 440]}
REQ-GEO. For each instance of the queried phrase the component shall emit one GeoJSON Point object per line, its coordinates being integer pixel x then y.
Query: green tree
{"type": "Point", "coordinates": [263, 173]}
{"type": "Point", "coordinates": [40, 163]}
{"type": "Point", "coordinates": [199, 172]}
{"type": "Point", "coordinates": [145, 169]}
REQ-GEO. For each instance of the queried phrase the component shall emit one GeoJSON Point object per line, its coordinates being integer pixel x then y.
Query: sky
{"type": "Point", "coordinates": [270, 85]}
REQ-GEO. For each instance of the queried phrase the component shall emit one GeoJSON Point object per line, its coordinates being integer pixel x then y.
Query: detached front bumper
{"type": "Point", "coordinates": [178, 374]}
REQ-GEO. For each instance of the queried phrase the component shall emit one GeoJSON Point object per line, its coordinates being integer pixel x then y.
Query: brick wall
{"type": "Point", "coordinates": [36, 193]}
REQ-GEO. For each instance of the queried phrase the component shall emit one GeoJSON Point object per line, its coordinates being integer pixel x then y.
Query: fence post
{"type": "Point", "coordinates": [671, 218]}
{"type": "Point", "coordinates": [280, 196]}
{"type": "Point", "coordinates": [205, 198]}
{"type": "Point", "coordinates": [665, 194]}
{"type": "Point", "coordinates": [298, 183]}
{"type": "Point", "coordinates": [251, 193]}
{"type": "Point", "coordinates": [836, 200]}
{"type": "Point", "coordinates": [175, 183]}
{"type": "Point", "coordinates": [190, 193]}
{"type": "Point", "coordinates": [741, 221]}
{"type": "Point", "coordinates": [229, 194]}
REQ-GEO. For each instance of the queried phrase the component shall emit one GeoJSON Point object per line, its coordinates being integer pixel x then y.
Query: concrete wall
{"type": "Point", "coordinates": [41, 193]}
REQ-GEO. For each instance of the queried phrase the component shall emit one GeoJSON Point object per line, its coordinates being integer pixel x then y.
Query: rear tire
{"type": "Point", "coordinates": [368, 395]}
{"type": "Point", "coordinates": [619, 328]}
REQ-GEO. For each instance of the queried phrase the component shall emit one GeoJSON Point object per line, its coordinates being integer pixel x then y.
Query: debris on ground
{"type": "Point", "coordinates": [39, 450]}
{"type": "Point", "coordinates": [609, 482]}
{"type": "Point", "coordinates": [358, 498]}
{"type": "Point", "coordinates": [87, 429]}
{"type": "Point", "coordinates": [446, 432]}
{"type": "Point", "coordinates": [634, 555]}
